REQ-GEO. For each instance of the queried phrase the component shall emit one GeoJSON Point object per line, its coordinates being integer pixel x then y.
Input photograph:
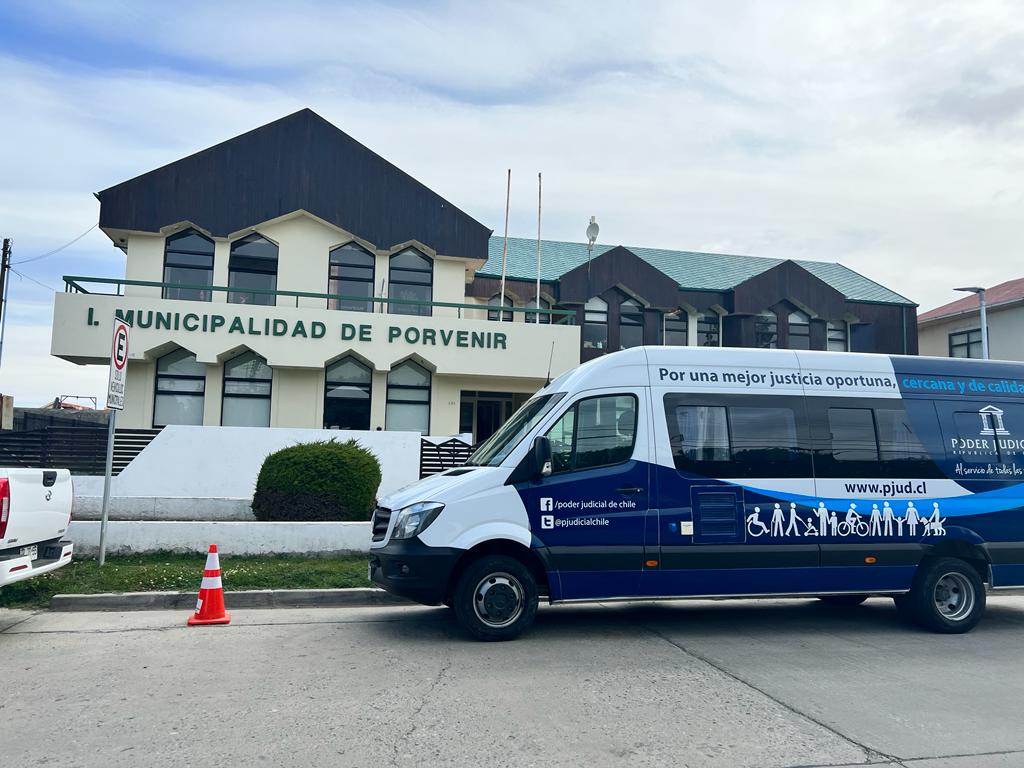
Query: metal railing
{"type": "Point", "coordinates": [74, 284]}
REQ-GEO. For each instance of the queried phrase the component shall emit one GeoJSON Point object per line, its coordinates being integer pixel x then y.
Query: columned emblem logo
{"type": "Point", "coordinates": [992, 421]}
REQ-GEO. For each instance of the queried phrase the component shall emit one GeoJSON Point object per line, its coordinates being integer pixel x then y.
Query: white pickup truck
{"type": "Point", "coordinates": [35, 510]}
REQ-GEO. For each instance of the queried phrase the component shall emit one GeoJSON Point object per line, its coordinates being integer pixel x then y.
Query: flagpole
{"type": "Point", "coordinates": [504, 249]}
{"type": "Point", "coordinates": [538, 246]}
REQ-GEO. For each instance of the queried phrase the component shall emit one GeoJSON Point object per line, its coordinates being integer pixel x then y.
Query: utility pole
{"type": "Point", "coordinates": [5, 268]}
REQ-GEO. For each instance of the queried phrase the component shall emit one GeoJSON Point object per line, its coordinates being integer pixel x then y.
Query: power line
{"type": "Point", "coordinates": [32, 279]}
{"type": "Point", "coordinates": [57, 250]}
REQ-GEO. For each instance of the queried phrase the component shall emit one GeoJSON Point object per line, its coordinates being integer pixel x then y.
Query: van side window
{"type": "Point", "coordinates": [741, 440]}
{"type": "Point", "coordinates": [871, 438]}
{"type": "Point", "coordinates": [594, 432]}
{"type": "Point", "coordinates": [853, 434]}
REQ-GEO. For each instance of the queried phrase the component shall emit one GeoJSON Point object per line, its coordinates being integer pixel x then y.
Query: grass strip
{"type": "Point", "coordinates": [168, 571]}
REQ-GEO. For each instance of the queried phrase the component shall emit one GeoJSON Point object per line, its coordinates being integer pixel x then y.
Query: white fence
{"type": "Point", "coordinates": [231, 538]}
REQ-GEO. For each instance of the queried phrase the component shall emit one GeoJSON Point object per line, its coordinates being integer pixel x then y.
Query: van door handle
{"type": "Point", "coordinates": [629, 490]}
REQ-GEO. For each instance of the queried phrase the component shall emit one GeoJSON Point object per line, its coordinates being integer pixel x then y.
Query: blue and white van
{"type": "Point", "coordinates": [674, 472]}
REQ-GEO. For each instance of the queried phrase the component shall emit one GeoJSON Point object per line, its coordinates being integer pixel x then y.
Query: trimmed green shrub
{"type": "Point", "coordinates": [325, 480]}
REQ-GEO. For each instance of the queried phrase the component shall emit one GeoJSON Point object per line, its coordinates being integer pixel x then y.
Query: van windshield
{"type": "Point", "coordinates": [494, 449]}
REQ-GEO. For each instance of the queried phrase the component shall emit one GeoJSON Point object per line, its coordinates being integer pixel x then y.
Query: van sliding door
{"type": "Point", "coordinates": [731, 471]}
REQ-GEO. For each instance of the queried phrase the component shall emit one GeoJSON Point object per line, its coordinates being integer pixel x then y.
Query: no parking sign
{"type": "Point", "coordinates": [118, 365]}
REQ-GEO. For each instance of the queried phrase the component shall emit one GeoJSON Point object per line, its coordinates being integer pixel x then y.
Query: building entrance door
{"type": "Point", "coordinates": [489, 416]}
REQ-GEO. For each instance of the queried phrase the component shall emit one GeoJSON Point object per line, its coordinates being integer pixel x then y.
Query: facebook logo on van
{"type": "Point", "coordinates": [547, 504]}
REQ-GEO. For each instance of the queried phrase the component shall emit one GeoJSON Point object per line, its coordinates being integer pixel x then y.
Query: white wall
{"type": "Point", "coordinates": [223, 462]}
{"type": "Point", "coordinates": [130, 536]}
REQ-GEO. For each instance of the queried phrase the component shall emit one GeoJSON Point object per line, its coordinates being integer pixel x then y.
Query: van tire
{"type": "Point", "coordinates": [843, 601]}
{"type": "Point", "coordinates": [948, 596]}
{"type": "Point", "coordinates": [495, 598]}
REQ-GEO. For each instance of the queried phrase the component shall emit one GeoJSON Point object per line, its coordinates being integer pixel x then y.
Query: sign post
{"type": "Point", "coordinates": [115, 402]}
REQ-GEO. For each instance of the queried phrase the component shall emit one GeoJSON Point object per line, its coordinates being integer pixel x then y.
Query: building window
{"type": "Point", "coordinates": [246, 399]}
{"type": "Point", "coordinates": [766, 331]}
{"type": "Point", "coordinates": [492, 314]}
{"type": "Point", "coordinates": [709, 329]}
{"type": "Point", "coordinates": [411, 279]}
{"type": "Point", "coordinates": [408, 404]}
{"type": "Point", "coordinates": [838, 336]}
{"type": "Point", "coordinates": [799, 330]}
{"type": "Point", "coordinates": [188, 261]}
{"type": "Point", "coordinates": [351, 274]}
{"type": "Point", "coordinates": [531, 317]}
{"type": "Point", "coordinates": [677, 329]}
{"type": "Point", "coordinates": [348, 387]}
{"type": "Point", "coordinates": [253, 265]}
{"type": "Point", "coordinates": [595, 324]}
{"type": "Point", "coordinates": [180, 386]}
{"type": "Point", "coordinates": [965, 344]}
{"type": "Point", "coordinates": [631, 324]}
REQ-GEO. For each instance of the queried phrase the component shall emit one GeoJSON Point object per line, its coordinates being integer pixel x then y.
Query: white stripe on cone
{"type": "Point", "coordinates": [212, 562]}
{"type": "Point", "coordinates": [211, 582]}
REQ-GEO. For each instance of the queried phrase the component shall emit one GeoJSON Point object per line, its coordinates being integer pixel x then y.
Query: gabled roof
{"type": "Point", "coordinates": [691, 270]}
{"type": "Point", "coordinates": [1005, 293]}
{"type": "Point", "coordinates": [300, 162]}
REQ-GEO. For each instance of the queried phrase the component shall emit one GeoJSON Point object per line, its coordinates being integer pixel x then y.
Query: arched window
{"type": "Point", "coordinates": [408, 404]}
{"type": "Point", "coordinates": [411, 278]}
{"type": "Point", "coordinates": [677, 329]}
{"type": "Point", "coordinates": [799, 330]}
{"type": "Point", "coordinates": [351, 274]}
{"type": "Point", "coordinates": [180, 386]}
{"type": "Point", "coordinates": [348, 388]}
{"type": "Point", "coordinates": [188, 260]}
{"type": "Point", "coordinates": [492, 314]}
{"type": "Point", "coordinates": [766, 331]}
{"type": "Point", "coordinates": [531, 317]}
{"type": "Point", "coordinates": [838, 336]}
{"type": "Point", "coordinates": [253, 264]}
{"type": "Point", "coordinates": [595, 324]}
{"type": "Point", "coordinates": [631, 324]}
{"type": "Point", "coordinates": [709, 329]}
{"type": "Point", "coordinates": [246, 398]}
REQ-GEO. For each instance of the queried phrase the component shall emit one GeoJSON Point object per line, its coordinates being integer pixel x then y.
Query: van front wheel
{"type": "Point", "coordinates": [496, 598]}
{"type": "Point", "coordinates": [948, 596]}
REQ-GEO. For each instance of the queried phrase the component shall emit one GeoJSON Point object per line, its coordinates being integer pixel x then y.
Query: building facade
{"type": "Point", "coordinates": [291, 277]}
{"type": "Point", "coordinates": [954, 329]}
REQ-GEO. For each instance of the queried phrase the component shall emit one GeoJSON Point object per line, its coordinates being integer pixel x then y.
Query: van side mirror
{"type": "Point", "coordinates": [541, 457]}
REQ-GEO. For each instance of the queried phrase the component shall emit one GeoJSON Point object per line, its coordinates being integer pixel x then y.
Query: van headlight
{"type": "Point", "coordinates": [415, 518]}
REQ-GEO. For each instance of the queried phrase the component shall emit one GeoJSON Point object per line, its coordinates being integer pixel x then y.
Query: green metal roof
{"type": "Point", "coordinates": [690, 269]}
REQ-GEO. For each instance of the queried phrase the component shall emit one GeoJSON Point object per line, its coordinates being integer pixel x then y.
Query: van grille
{"type": "Point", "coordinates": [379, 523]}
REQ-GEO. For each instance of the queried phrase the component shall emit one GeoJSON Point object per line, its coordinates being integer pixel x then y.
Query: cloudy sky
{"type": "Point", "coordinates": [884, 135]}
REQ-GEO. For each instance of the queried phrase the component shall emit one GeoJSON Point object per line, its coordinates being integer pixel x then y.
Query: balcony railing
{"type": "Point", "coordinates": [77, 284]}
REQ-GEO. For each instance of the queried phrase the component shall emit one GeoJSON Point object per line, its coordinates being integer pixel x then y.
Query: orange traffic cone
{"type": "Point", "coordinates": [210, 605]}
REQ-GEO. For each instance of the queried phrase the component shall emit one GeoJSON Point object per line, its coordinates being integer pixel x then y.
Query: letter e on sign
{"type": "Point", "coordinates": [118, 365]}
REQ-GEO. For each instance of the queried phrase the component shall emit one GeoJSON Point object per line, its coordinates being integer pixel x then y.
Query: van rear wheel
{"type": "Point", "coordinates": [495, 598]}
{"type": "Point", "coordinates": [948, 596]}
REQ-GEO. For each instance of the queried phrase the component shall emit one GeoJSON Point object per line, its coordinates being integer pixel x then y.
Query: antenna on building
{"type": "Point", "coordinates": [504, 248]}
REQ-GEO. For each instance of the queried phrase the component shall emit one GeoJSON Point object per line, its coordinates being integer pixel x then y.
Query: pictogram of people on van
{"type": "Point", "coordinates": [884, 521]}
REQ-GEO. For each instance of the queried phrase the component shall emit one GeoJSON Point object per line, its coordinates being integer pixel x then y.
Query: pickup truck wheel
{"type": "Point", "coordinates": [948, 596]}
{"type": "Point", "coordinates": [496, 598]}
{"type": "Point", "coordinates": [843, 601]}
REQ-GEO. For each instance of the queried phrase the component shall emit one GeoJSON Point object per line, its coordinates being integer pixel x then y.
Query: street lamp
{"type": "Point", "coordinates": [592, 230]}
{"type": "Point", "coordinates": [984, 320]}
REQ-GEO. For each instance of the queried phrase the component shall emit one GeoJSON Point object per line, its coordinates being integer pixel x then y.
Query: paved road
{"type": "Point", "coordinates": [780, 683]}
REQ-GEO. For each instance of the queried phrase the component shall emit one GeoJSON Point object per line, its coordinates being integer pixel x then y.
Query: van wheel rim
{"type": "Point", "coordinates": [954, 596]}
{"type": "Point", "coordinates": [498, 600]}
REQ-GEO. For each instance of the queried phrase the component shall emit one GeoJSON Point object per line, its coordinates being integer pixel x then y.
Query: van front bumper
{"type": "Point", "coordinates": [410, 569]}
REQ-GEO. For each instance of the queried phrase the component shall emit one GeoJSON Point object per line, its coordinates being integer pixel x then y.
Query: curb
{"type": "Point", "coordinates": [357, 597]}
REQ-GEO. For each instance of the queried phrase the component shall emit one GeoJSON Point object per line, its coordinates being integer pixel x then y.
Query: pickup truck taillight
{"type": "Point", "coordinates": [5, 506]}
